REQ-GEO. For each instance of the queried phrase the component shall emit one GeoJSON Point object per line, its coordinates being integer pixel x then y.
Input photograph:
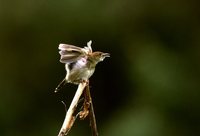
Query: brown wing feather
{"type": "Point", "coordinates": [70, 53]}
{"type": "Point", "coordinates": [68, 47]}
{"type": "Point", "coordinates": [69, 58]}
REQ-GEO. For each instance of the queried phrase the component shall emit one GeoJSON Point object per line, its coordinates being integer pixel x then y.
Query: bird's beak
{"type": "Point", "coordinates": [106, 54]}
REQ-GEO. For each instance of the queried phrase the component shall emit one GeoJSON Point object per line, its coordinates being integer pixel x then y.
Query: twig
{"type": "Point", "coordinates": [88, 109]}
{"type": "Point", "coordinates": [93, 124]}
{"type": "Point", "coordinates": [69, 118]}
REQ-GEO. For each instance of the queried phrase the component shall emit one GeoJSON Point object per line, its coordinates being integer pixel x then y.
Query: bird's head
{"type": "Point", "coordinates": [99, 56]}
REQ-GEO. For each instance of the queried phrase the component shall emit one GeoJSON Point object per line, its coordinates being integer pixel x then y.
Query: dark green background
{"type": "Point", "coordinates": [148, 87]}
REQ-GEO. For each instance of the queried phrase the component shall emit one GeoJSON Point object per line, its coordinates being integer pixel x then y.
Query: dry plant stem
{"type": "Point", "coordinates": [69, 118]}
{"type": "Point", "coordinates": [91, 113]}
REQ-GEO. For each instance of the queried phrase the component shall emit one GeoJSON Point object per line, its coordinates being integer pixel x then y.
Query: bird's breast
{"type": "Point", "coordinates": [82, 69]}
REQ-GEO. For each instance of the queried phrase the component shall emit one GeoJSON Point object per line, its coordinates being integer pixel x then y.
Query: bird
{"type": "Point", "coordinates": [79, 63]}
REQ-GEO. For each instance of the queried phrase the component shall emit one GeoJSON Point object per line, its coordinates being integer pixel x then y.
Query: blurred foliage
{"type": "Point", "coordinates": [149, 86]}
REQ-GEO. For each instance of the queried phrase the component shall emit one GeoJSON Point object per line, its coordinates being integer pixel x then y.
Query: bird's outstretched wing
{"type": "Point", "coordinates": [70, 53]}
{"type": "Point", "coordinates": [69, 47]}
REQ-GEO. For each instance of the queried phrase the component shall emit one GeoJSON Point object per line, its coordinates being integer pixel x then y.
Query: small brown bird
{"type": "Point", "coordinates": [79, 62]}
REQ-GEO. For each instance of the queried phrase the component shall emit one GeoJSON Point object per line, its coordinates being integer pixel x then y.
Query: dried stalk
{"type": "Point", "coordinates": [69, 118]}
{"type": "Point", "coordinates": [93, 124]}
{"type": "Point", "coordinates": [88, 109]}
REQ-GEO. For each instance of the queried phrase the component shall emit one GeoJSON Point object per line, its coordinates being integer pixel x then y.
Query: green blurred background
{"type": "Point", "coordinates": [148, 87]}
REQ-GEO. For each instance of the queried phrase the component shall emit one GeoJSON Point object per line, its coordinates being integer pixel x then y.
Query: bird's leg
{"type": "Point", "coordinates": [85, 81]}
{"type": "Point", "coordinates": [60, 85]}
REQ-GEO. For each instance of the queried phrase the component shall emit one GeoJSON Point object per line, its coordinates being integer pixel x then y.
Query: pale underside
{"type": "Point", "coordinates": [79, 71]}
